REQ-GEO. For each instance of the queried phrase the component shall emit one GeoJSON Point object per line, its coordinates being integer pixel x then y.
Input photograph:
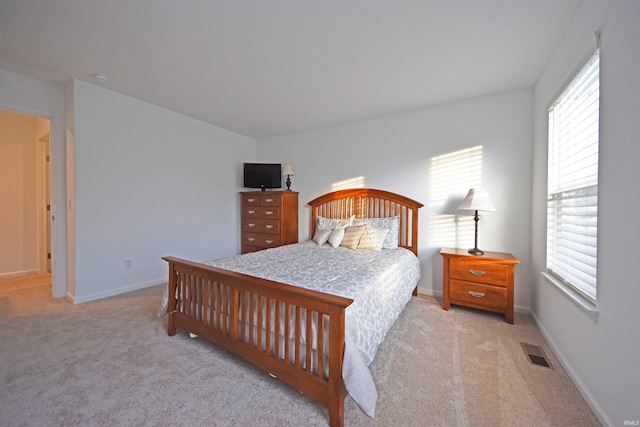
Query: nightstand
{"type": "Point", "coordinates": [479, 281]}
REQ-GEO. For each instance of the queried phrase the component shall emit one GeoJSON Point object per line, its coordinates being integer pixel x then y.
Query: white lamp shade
{"type": "Point", "coordinates": [477, 200]}
{"type": "Point", "coordinates": [287, 170]}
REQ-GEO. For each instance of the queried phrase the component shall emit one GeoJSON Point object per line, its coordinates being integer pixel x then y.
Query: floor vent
{"type": "Point", "coordinates": [536, 355]}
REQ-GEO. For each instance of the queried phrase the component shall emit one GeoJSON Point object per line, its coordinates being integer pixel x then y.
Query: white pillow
{"type": "Point", "coordinates": [372, 238]}
{"type": "Point", "coordinates": [330, 224]}
{"type": "Point", "coordinates": [392, 223]}
{"type": "Point", "coordinates": [336, 237]}
{"type": "Point", "coordinates": [321, 236]}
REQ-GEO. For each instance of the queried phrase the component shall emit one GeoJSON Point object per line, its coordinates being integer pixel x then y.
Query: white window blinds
{"type": "Point", "coordinates": [572, 202]}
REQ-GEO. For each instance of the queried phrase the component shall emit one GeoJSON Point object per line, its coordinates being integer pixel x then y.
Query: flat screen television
{"type": "Point", "coordinates": [262, 175]}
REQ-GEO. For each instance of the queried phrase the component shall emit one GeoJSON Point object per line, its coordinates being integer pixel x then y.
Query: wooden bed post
{"type": "Point", "coordinates": [336, 352]}
{"type": "Point", "coordinates": [171, 329]}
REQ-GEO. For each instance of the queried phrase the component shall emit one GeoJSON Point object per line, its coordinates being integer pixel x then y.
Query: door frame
{"type": "Point", "coordinates": [60, 256]}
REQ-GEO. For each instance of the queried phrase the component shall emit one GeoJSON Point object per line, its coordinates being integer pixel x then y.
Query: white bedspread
{"type": "Point", "coordinates": [380, 284]}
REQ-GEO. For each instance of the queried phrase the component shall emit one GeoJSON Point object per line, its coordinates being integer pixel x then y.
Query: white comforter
{"type": "Point", "coordinates": [380, 284]}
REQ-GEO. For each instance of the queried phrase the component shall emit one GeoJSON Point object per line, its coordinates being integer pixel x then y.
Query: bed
{"type": "Point", "coordinates": [269, 308]}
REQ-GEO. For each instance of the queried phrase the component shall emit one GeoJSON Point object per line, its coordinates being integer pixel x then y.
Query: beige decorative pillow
{"type": "Point", "coordinates": [321, 236]}
{"type": "Point", "coordinates": [352, 236]}
{"type": "Point", "coordinates": [372, 238]}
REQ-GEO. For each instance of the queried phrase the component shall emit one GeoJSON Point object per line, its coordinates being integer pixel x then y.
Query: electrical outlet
{"type": "Point", "coordinates": [128, 263]}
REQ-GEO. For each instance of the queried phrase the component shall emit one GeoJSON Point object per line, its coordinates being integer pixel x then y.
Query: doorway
{"type": "Point", "coordinates": [25, 194]}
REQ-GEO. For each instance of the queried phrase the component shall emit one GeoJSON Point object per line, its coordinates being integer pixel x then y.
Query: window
{"type": "Point", "coordinates": [572, 194]}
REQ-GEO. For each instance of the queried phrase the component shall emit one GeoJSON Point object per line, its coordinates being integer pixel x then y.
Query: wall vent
{"type": "Point", "coordinates": [536, 355]}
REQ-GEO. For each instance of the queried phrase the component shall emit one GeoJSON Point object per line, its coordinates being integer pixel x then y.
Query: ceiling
{"type": "Point", "coordinates": [262, 68]}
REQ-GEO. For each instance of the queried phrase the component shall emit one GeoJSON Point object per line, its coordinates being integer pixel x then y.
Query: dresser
{"type": "Point", "coordinates": [269, 219]}
{"type": "Point", "coordinates": [479, 281]}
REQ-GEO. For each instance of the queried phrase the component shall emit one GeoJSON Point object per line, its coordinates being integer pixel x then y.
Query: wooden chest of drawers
{"type": "Point", "coordinates": [269, 219]}
{"type": "Point", "coordinates": [479, 281]}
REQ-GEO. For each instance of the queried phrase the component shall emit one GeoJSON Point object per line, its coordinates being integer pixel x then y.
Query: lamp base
{"type": "Point", "coordinates": [476, 251]}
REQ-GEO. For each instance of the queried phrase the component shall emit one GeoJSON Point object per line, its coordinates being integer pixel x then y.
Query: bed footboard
{"type": "Point", "coordinates": [282, 329]}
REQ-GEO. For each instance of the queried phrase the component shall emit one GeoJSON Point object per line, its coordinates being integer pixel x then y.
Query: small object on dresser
{"type": "Point", "coordinates": [484, 281]}
{"type": "Point", "coordinates": [288, 172]}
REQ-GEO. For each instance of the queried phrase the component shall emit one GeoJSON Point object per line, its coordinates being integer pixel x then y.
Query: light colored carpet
{"type": "Point", "coordinates": [111, 363]}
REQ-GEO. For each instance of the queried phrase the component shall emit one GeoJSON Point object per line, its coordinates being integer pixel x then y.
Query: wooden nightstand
{"type": "Point", "coordinates": [479, 281]}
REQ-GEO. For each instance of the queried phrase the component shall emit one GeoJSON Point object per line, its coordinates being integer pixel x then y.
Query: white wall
{"type": "Point", "coordinates": [603, 355]}
{"type": "Point", "coordinates": [38, 98]}
{"type": "Point", "coordinates": [394, 153]}
{"type": "Point", "coordinates": [148, 183]}
{"type": "Point", "coordinates": [18, 219]}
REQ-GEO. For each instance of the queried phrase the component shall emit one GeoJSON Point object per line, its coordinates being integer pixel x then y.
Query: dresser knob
{"type": "Point", "coordinates": [476, 294]}
{"type": "Point", "coordinates": [251, 212]}
{"type": "Point", "coordinates": [268, 200]}
{"type": "Point", "coordinates": [251, 225]}
{"type": "Point", "coordinates": [269, 227]}
{"type": "Point", "coordinates": [477, 272]}
{"type": "Point", "coordinates": [251, 239]}
{"type": "Point", "coordinates": [251, 200]}
{"type": "Point", "coordinates": [269, 241]}
{"type": "Point", "coordinates": [269, 212]}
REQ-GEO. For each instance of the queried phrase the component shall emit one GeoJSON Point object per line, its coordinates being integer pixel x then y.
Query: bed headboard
{"type": "Point", "coordinates": [370, 203]}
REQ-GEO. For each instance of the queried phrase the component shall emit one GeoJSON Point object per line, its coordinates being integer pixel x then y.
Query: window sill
{"type": "Point", "coordinates": [581, 302]}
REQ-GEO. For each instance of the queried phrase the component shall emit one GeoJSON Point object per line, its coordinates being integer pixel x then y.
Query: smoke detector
{"type": "Point", "coordinates": [100, 78]}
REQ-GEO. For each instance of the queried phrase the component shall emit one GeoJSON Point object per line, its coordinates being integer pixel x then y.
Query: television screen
{"type": "Point", "coordinates": [262, 175]}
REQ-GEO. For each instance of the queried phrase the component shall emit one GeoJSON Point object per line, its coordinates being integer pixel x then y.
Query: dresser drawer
{"type": "Point", "coordinates": [260, 200]}
{"type": "Point", "coordinates": [258, 225]}
{"type": "Point", "coordinates": [478, 294]}
{"type": "Point", "coordinates": [261, 240]}
{"type": "Point", "coordinates": [480, 272]}
{"type": "Point", "coordinates": [269, 200]}
{"type": "Point", "coordinates": [260, 212]}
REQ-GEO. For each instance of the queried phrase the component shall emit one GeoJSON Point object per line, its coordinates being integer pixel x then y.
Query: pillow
{"type": "Point", "coordinates": [336, 237]}
{"type": "Point", "coordinates": [321, 236]}
{"type": "Point", "coordinates": [392, 223]}
{"type": "Point", "coordinates": [352, 236]}
{"type": "Point", "coordinates": [372, 238]}
{"type": "Point", "coordinates": [330, 224]}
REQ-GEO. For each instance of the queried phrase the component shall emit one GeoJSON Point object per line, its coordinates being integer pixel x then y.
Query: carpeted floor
{"type": "Point", "coordinates": [111, 363]}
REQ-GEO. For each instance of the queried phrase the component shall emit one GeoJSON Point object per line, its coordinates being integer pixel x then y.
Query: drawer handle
{"type": "Point", "coordinates": [251, 239]}
{"type": "Point", "coordinates": [268, 200]}
{"type": "Point", "coordinates": [269, 227]}
{"type": "Point", "coordinates": [269, 212]}
{"type": "Point", "coordinates": [251, 225]}
{"type": "Point", "coordinates": [477, 272]}
{"type": "Point", "coordinates": [251, 212]}
{"type": "Point", "coordinates": [251, 200]}
{"type": "Point", "coordinates": [476, 294]}
{"type": "Point", "coordinates": [269, 241]}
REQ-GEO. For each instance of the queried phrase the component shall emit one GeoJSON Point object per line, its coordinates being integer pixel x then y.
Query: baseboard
{"type": "Point", "coordinates": [577, 381]}
{"type": "Point", "coordinates": [17, 274]}
{"type": "Point", "coordinates": [116, 291]}
{"type": "Point", "coordinates": [438, 295]}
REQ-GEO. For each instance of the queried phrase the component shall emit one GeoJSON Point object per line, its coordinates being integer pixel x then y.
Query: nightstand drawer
{"type": "Point", "coordinates": [480, 272]}
{"type": "Point", "coordinates": [478, 294]}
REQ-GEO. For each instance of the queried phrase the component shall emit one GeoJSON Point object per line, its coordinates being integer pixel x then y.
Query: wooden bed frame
{"type": "Point", "coordinates": [198, 295]}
